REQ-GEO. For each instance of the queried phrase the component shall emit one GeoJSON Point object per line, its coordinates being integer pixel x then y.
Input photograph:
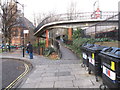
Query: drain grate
{"type": "Point", "coordinates": [62, 74]}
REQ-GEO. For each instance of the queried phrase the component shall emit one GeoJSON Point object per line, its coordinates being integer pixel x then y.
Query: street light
{"type": "Point", "coordinates": [97, 1]}
{"type": "Point", "coordinates": [23, 30]}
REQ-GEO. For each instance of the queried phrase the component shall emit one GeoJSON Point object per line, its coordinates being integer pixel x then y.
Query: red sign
{"type": "Point", "coordinates": [96, 14]}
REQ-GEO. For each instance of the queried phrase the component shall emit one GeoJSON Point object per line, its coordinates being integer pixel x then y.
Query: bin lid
{"type": "Point", "coordinates": [87, 45]}
{"type": "Point", "coordinates": [84, 44]}
{"type": "Point", "coordinates": [112, 51]}
{"type": "Point", "coordinates": [97, 47]}
{"type": "Point", "coordinates": [117, 53]}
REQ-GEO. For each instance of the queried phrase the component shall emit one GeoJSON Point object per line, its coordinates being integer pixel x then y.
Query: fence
{"type": "Point", "coordinates": [105, 29]}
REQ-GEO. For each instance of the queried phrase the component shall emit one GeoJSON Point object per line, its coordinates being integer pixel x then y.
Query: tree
{"type": "Point", "coordinates": [45, 18]}
{"type": "Point", "coordinates": [71, 11]}
{"type": "Point", "coordinates": [9, 20]}
{"type": "Point", "coordinates": [77, 33]}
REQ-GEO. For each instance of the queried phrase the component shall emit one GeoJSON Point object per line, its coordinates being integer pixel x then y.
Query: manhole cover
{"type": "Point", "coordinates": [62, 73]}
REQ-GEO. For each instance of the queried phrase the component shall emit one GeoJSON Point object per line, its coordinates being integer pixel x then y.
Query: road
{"type": "Point", "coordinates": [11, 69]}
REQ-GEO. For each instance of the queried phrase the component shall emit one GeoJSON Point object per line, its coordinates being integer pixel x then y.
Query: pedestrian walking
{"type": "Point", "coordinates": [30, 50]}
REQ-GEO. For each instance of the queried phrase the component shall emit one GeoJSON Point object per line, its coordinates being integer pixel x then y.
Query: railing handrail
{"type": "Point", "coordinates": [75, 16]}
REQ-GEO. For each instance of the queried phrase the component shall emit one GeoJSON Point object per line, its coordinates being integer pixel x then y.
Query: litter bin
{"type": "Point", "coordinates": [94, 60]}
{"type": "Point", "coordinates": [84, 49]}
{"type": "Point", "coordinates": [111, 67]}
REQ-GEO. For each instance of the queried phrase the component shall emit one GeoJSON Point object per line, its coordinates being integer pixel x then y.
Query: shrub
{"type": "Point", "coordinates": [48, 51]}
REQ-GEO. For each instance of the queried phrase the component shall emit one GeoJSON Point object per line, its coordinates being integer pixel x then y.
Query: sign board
{"type": "Point", "coordinates": [26, 31]}
{"type": "Point", "coordinates": [96, 14]}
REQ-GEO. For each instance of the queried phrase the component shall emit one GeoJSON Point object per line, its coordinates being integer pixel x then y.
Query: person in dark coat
{"type": "Point", "coordinates": [30, 49]}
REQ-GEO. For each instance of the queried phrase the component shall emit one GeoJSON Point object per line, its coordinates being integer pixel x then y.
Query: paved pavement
{"type": "Point", "coordinates": [64, 73]}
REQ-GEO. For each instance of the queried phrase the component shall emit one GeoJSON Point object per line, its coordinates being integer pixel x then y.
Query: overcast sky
{"type": "Point", "coordinates": [32, 7]}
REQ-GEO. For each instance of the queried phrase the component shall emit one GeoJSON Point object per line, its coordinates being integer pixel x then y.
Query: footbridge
{"type": "Point", "coordinates": [82, 20]}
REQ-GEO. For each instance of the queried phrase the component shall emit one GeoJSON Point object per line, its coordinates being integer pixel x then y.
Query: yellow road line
{"type": "Point", "coordinates": [19, 77]}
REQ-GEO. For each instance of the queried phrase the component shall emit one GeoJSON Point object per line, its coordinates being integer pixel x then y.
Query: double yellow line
{"type": "Point", "coordinates": [18, 78]}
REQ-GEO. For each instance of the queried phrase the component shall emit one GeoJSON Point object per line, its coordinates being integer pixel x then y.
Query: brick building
{"type": "Point", "coordinates": [17, 23]}
{"type": "Point", "coordinates": [18, 34]}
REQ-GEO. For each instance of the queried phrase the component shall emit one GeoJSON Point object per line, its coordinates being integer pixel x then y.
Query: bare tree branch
{"type": "Point", "coordinates": [9, 20]}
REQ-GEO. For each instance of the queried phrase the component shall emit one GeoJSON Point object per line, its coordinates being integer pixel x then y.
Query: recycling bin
{"type": "Point", "coordinates": [111, 67]}
{"type": "Point", "coordinates": [94, 59]}
{"type": "Point", "coordinates": [84, 49]}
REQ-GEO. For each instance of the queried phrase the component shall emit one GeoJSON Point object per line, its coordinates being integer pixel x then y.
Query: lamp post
{"type": "Point", "coordinates": [23, 30]}
{"type": "Point", "coordinates": [97, 1]}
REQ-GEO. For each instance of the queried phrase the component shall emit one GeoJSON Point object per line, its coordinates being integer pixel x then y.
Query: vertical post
{"type": "Point", "coordinates": [23, 32]}
{"type": "Point", "coordinates": [38, 46]}
{"type": "Point", "coordinates": [41, 52]}
{"type": "Point", "coordinates": [95, 30]}
{"type": "Point", "coordinates": [23, 45]}
{"type": "Point", "coordinates": [119, 24]}
{"type": "Point", "coordinates": [69, 33]}
{"type": "Point", "coordinates": [47, 39]}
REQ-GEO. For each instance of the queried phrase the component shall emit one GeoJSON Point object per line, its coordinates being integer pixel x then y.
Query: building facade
{"type": "Point", "coordinates": [18, 32]}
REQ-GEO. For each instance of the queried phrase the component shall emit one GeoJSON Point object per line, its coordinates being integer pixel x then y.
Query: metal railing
{"type": "Point", "coordinates": [75, 16]}
{"type": "Point", "coordinates": [104, 29]}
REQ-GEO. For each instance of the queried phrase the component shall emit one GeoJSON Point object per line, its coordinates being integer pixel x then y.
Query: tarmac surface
{"type": "Point", "coordinates": [11, 69]}
{"type": "Point", "coordinates": [64, 73]}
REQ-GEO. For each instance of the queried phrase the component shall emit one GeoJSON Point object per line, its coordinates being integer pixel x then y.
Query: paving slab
{"type": "Point", "coordinates": [63, 84]}
{"type": "Point", "coordinates": [64, 73]}
{"type": "Point", "coordinates": [45, 84]}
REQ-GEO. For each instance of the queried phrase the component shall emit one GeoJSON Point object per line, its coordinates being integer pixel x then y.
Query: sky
{"type": "Point", "coordinates": [35, 7]}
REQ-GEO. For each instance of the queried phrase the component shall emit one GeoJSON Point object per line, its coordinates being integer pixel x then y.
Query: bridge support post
{"type": "Point", "coordinates": [47, 37]}
{"type": "Point", "coordinates": [69, 33]}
